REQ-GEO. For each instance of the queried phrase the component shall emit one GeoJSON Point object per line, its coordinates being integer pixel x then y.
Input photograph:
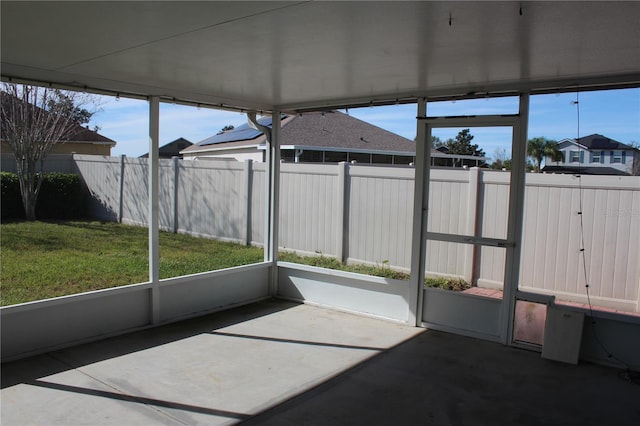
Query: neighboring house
{"type": "Point", "coordinates": [172, 149]}
{"type": "Point", "coordinates": [319, 137]}
{"type": "Point", "coordinates": [597, 155]}
{"type": "Point", "coordinates": [82, 141]}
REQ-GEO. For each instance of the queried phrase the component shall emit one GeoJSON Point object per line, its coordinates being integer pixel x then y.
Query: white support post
{"type": "Point", "coordinates": [153, 219]}
{"type": "Point", "coordinates": [420, 212]}
{"type": "Point", "coordinates": [340, 210]}
{"type": "Point", "coordinates": [248, 186]}
{"type": "Point", "coordinates": [473, 206]}
{"type": "Point", "coordinates": [176, 183]}
{"type": "Point", "coordinates": [515, 221]}
{"type": "Point", "coordinates": [273, 200]}
{"type": "Point", "coordinates": [121, 189]}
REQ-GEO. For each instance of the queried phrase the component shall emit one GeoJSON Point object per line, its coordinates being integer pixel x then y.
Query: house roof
{"type": "Point", "coordinates": [171, 149]}
{"type": "Point", "coordinates": [335, 129]}
{"type": "Point", "coordinates": [584, 170]}
{"type": "Point", "coordinates": [86, 135]}
{"type": "Point", "coordinates": [321, 130]}
{"type": "Point", "coordinates": [597, 141]}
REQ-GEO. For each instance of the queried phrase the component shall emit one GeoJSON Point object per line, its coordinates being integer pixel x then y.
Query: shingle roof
{"type": "Point", "coordinates": [171, 149]}
{"type": "Point", "coordinates": [83, 134]}
{"type": "Point", "coordinates": [331, 129]}
{"type": "Point", "coordinates": [584, 170]}
{"type": "Point", "coordinates": [337, 130]}
{"type": "Point", "coordinates": [597, 141]}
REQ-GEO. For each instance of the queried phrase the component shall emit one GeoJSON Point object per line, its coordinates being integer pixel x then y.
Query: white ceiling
{"type": "Point", "coordinates": [298, 55]}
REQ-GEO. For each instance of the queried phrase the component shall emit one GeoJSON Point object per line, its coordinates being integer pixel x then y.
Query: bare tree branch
{"type": "Point", "coordinates": [33, 120]}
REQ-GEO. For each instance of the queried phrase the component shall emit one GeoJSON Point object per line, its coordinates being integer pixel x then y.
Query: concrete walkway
{"type": "Point", "coordinates": [281, 363]}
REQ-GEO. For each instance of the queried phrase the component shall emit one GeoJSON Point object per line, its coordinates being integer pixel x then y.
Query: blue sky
{"type": "Point", "coordinates": [613, 113]}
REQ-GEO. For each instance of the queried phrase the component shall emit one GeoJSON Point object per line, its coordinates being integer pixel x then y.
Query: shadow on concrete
{"type": "Point", "coordinates": [29, 370]}
{"type": "Point", "coordinates": [442, 379]}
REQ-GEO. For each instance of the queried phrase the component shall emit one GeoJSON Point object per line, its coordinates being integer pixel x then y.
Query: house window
{"type": "Point", "coordinates": [359, 157]}
{"type": "Point", "coordinates": [335, 157]}
{"type": "Point", "coordinates": [596, 157]}
{"type": "Point", "coordinates": [616, 157]}
{"type": "Point", "coordinates": [575, 156]}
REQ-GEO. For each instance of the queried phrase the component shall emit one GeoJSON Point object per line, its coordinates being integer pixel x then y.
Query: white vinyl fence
{"type": "Point", "coordinates": [363, 214]}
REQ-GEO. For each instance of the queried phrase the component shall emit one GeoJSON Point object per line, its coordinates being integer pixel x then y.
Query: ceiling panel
{"type": "Point", "coordinates": [315, 54]}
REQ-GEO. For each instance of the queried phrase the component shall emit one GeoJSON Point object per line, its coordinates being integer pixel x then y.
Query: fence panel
{"type": "Point", "coordinates": [257, 204]}
{"type": "Point", "coordinates": [364, 214]}
{"type": "Point", "coordinates": [62, 163]}
{"type": "Point", "coordinates": [212, 200]}
{"type": "Point", "coordinates": [167, 192]}
{"type": "Point", "coordinates": [101, 175]}
{"type": "Point", "coordinates": [554, 230]}
{"type": "Point", "coordinates": [308, 215]}
{"type": "Point", "coordinates": [493, 211]}
{"type": "Point", "coordinates": [449, 193]}
{"type": "Point", "coordinates": [135, 197]}
{"type": "Point", "coordinates": [379, 215]}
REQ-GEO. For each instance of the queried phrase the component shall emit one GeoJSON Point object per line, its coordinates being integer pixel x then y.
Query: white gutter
{"type": "Point", "coordinates": [253, 123]}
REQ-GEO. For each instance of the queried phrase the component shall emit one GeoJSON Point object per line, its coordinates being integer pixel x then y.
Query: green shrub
{"type": "Point", "coordinates": [61, 197]}
{"type": "Point", "coordinates": [11, 200]}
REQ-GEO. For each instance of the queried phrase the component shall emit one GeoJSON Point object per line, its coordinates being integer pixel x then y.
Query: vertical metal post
{"type": "Point", "coordinates": [420, 212]}
{"type": "Point", "coordinates": [273, 200]}
{"type": "Point", "coordinates": [515, 221]}
{"type": "Point", "coordinates": [341, 206]}
{"type": "Point", "coordinates": [473, 206]}
{"type": "Point", "coordinates": [176, 183]}
{"type": "Point", "coordinates": [248, 185]}
{"type": "Point", "coordinates": [153, 215]}
{"type": "Point", "coordinates": [121, 189]}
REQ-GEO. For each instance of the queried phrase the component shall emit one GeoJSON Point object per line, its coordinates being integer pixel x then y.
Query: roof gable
{"type": "Point", "coordinates": [171, 149]}
{"type": "Point", "coordinates": [84, 134]}
{"type": "Point", "coordinates": [597, 141]}
{"type": "Point", "coordinates": [335, 129]}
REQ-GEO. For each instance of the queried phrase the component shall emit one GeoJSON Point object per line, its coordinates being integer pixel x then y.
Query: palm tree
{"type": "Point", "coordinates": [541, 147]}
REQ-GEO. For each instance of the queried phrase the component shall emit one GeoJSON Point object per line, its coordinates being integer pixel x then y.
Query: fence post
{"type": "Point", "coordinates": [248, 185]}
{"type": "Point", "coordinates": [474, 200]}
{"type": "Point", "coordinates": [176, 179]}
{"type": "Point", "coordinates": [121, 191]}
{"type": "Point", "coordinates": [340, 211]}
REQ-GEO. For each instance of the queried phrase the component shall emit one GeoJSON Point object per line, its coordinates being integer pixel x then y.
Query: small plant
{"type": "Point", "coordinates": [380, 269]}
{"type": "Point", "coordinates": [452, 284]}
{"type": "Point", "coordinates": [383, 267]}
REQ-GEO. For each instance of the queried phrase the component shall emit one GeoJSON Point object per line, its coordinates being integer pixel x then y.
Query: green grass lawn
{"type": "Point", "coordinates": [39, 260]}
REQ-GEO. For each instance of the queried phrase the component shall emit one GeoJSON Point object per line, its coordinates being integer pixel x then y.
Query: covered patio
{"type": "Point", "coordinates": [278, 362]}
{"type": "Point", "coordinates": [235, 345]}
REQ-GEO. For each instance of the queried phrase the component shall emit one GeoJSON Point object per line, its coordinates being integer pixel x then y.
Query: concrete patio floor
{"type": "Point", "coordinates": [277, 362]}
